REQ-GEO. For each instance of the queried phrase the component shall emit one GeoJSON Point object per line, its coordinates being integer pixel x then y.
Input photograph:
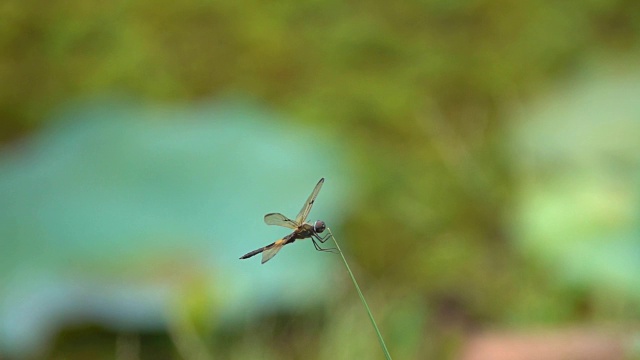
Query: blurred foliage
{"type": "Point", "coordinates": [383, 65]}
{"type": "Point", "coordinates": [420, 91]}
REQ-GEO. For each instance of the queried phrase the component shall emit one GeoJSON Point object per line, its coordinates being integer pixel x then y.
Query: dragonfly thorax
{"type": "Point", "coordinates": [319, 226]}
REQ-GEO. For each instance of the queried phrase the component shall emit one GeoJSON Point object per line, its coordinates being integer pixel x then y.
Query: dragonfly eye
{"type": "Point", "coordinates": [319, 226]}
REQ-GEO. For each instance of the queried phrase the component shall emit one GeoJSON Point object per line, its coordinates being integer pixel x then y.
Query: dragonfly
{"type": "Point", "coordinates": [301, 229]}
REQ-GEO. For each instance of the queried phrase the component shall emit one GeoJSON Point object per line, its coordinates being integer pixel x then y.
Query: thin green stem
{"type": "Point", "coordinates": [373, 322]}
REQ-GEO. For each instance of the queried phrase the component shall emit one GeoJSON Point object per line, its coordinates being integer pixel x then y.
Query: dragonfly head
{"type": "Point", "coordinates": [319, 226]}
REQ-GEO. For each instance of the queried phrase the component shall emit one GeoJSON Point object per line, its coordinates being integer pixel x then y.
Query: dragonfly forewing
{"type": "Point", "coordinates": [306, 208]}
{"type": "Point", "coordinates": [280, 220]}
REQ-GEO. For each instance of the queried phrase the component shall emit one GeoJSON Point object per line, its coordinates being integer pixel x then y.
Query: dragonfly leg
{"type": "Point", "coordinates": [324, 238]}
{"type": "Point", "coordinates": [319, 248]}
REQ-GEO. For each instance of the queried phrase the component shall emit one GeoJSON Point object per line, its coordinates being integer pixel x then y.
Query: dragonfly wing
{"type": "Point", "coordinates": [272, 250]}
{"type": "Point", "coordinates": [306, 208]}
{"type": "Point", "coordinates": [280, 220]}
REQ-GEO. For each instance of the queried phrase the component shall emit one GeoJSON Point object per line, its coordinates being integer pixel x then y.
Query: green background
{"type": "Point", "coordinates": [483, 154]}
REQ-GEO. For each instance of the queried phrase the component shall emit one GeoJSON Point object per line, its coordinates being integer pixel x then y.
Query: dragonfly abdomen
{"type": "Point", "coordinates": [256, 251]}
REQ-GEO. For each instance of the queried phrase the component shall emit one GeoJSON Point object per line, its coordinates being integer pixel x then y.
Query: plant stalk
{"type": "Point", "coordinates": [355, 283]}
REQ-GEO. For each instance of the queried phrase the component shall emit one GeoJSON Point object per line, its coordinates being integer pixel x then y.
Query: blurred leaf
{"type": "Point", "coordinates": [579, 160]}
{"type": "Point", "coordinates": [116, 212]}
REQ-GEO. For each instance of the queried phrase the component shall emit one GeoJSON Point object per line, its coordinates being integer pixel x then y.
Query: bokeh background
{"type": "Point", "coordinates": [482, 164]}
